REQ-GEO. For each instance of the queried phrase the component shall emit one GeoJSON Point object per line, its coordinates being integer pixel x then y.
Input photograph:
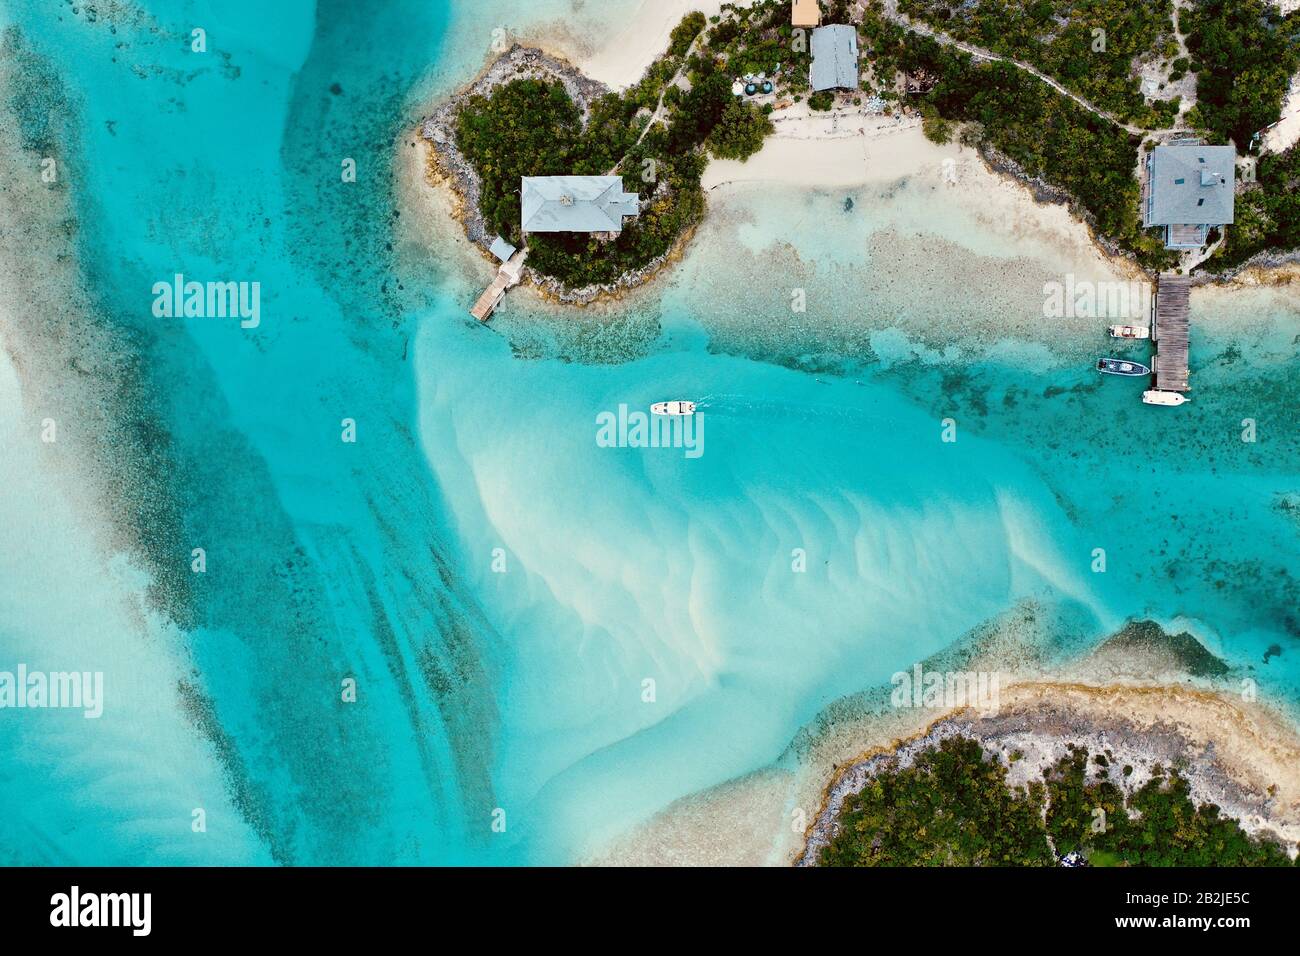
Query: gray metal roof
{"type": "Point", "coordinates": [576, 204]}
{"type": "Point", "coordinates": [1192, 185]}
{"type": "Point", "coordinates": [835, 57]}
{"type": "Point", "coordinates": [502, 249]}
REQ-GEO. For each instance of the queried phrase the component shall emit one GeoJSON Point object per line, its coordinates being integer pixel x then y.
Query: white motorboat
{"type": "Point", "coordinates": [1129, 332]}
{"type": "Point", "coordinates": [1157, 397]}
{"type": "Point", "coordinates": [673, 408]}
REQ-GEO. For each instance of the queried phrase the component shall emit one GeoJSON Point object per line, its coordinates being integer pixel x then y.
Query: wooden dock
{"type": "Point", "coordinates": [507, 276]}
{"type": "Point", "coordinates": [487, 303]}
{"type": "Point", "coordinates": [1171, 332]}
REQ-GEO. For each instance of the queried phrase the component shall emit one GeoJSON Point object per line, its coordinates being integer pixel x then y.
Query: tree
{"type": "Point", "coordinates": [739, 133]}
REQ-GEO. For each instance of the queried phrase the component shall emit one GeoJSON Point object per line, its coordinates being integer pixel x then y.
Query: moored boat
{"type": "Point", "coordinates": [1115, 366]}
{"type": "Point", "coordinates": [1129, 332]}
{"type": "Point", "coordinates": [673, 408]}
{"type": "Point", "coordinates": [1157, 397]}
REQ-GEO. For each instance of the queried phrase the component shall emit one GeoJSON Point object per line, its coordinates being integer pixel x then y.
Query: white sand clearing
{"type": "Point", "coordinates": [1287, 132]}
{"type": "Point", "coordinates": [620, 59]}
{"type": "Point", "coordinates": [806, 152]}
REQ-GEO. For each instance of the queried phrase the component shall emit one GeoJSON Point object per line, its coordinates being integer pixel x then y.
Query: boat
{"type": "Point", "coordinates": [1156, 397]}
{"type": "Point", "coordinates": [1114, 366]}
{"type": "Point", "coordinates": [673, 408]}
{"type": "Point", "coordinates": [1129, 332]}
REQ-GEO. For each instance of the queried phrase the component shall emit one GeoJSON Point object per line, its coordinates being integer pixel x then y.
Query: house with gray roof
{"type": "Point", "coordinates": [592, 204]}
{"type": "Point", "coordinates": [1189, 189]}
{"type": "Point", "coordinates": [835, 58]}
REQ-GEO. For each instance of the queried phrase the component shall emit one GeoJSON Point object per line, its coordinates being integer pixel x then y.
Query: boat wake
{"type": "Point", "coordinates": [748, 406]}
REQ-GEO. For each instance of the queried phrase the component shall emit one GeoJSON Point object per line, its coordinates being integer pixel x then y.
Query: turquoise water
{"type": "Point", "coordinates": [502, 588]}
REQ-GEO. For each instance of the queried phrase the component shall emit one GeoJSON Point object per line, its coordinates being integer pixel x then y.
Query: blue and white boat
{"type": "Point", "coordinates": [1114, 366]}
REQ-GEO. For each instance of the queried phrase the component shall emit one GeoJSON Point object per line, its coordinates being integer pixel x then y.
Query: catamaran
{"type": "Point", "coordinates": [1114, 366]}
{"type": "Point", "coordinates": [673, 408]}
{"type": "Point", "coordinates": [1157, 397]}
{"type": "Point", "coordinates": [1129, 332]}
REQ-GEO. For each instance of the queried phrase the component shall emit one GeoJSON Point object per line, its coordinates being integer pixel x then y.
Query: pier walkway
{"type": "Point", "coordinates": [507, 277]}
{"type": "Point", "coordinates": [1171, 332]}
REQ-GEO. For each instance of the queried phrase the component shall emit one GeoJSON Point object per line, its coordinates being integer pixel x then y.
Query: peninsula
{"type": "Point", "coordinates": [1085, 105]}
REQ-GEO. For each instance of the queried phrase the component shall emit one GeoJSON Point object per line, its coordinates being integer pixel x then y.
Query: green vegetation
{"type": "Point", "coordinates": [950, 808]}
{"type": "Point", "coordinates": [759, 39]}
{"type": "Point", "coordinates": [954, 807]}
{"type": "Point", "coordinates": [1247, 52]}
{"type": "Point", "coordinates": [684, 34]}
{"type": "Point", "coordinates": [935, 127]}
{"type": "Point", "coordinates": [1157, 826]}
{"type": "Point", "coordinates": [1243, 55]}
{"type": "Point", "coordinates": [822, 101]}
{"type": "Point", "coordinates": [739, 132]}
{"type": "Point", "coordinates": [1267, 214]}
{"type": "Point", "coordinates": [1049, 135]}
{"type": "Point", "coordinates": [1089, 46]}
{"type": "Point", "coordinates": [527, 128]}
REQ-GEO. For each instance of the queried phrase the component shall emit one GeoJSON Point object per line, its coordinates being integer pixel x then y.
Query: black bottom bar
{"type": "Point", "coordinates": [342, 905]}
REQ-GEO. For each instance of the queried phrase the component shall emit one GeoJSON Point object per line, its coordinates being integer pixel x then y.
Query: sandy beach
{"type": "Point", "coordinates": [839, 150]}
{"type": "Point", "coordinates": [620, 60]}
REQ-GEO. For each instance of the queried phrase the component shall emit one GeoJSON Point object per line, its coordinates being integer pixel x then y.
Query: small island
{"type": "Point", "coordinates": [532, 116]}
{"type": "Point", "coordinates": [1169, 761]}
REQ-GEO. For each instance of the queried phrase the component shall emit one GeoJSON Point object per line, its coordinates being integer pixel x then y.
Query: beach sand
{"type": "Point", "coordinates": [1287, 131]}
{"type": "Point", "coordinates": [1236, 755]}
{"type": "Point", "coordinates": [805, 152]}
{"type": "Point", "coordinates": [620, 59]}
{"type": "Point", "coordinates": [1236, 749]}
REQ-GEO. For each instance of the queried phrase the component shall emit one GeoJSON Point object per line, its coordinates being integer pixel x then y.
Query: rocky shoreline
{"type": "Point", "coordinates": [1047, 194]}
{"type": "Point", "coordinates": [1043, 725]}
{"type": "Point", "coordinates": [439, 127]}
{"type": "Point", "coordinates": [452, 169]}
{"type": "Point", "coordinates": [1266, 268]}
